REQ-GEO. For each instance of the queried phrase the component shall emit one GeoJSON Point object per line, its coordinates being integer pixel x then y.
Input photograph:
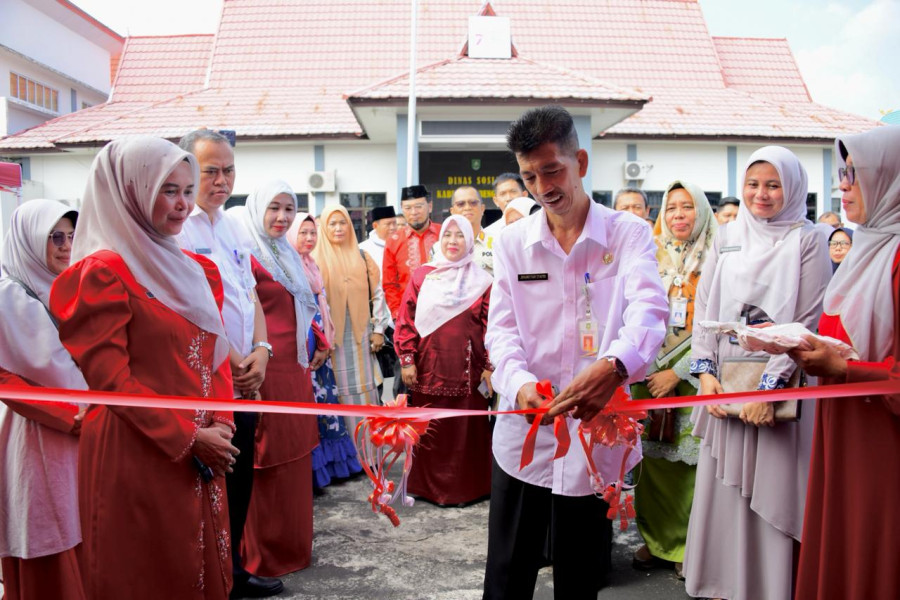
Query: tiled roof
{"type": "Point", "coordinates": [764, 67]}
{"type": "Point", "coordinates": [157, 68]}
{"type": "Point", "coordinates": [284, 68]}
{"type": "Point", "coordinates": [733, 113]}
{"type": "Point", "coordinates": [251, 113]}
{"type": "Point", "coordinates": [481, 78]}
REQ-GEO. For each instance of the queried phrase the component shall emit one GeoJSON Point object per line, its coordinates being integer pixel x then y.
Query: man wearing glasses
{"type": "Point", "coordinates": [467, 202]}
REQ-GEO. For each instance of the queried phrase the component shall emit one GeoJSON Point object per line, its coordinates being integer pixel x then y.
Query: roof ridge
{"type": "Point", "coordinates": [736, 37]}
{"type": "Point", "coordinates": [168, 37]}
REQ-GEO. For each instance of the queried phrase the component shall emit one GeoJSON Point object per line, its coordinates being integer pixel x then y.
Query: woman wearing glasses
{"type": "Point", "coordinates": [39, 526]}
{"type": "Point", "coordinates": [849, 538]}
{"type": "Point", "coordinates": [839, 243]}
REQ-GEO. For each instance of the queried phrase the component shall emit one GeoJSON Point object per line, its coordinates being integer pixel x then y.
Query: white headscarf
{"type": "Point", "coordinates": [861, 291]}
{"type": "Point", "coordinates": [280, 258]}
{"type": "Point", "coordinates": [451, 287]}
{"type": "Point", "coordinates": [31, 346]}
{"type": "Point", "coordinates": [117, 215]}
{"type": "Point", "coordinates": [767, 271]}
{"type": "Point", "coordinates": [522, 205]}
{"type": "Point", "coordinates": [25, 248]}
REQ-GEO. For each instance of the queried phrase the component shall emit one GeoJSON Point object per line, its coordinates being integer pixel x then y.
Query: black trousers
{"type": "Point", "coordinates": [525, 520]}
{"type": "Point", "coordinates": [239, 484]}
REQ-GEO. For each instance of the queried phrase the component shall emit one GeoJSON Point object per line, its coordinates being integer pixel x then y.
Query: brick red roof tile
{"type": "Point", "coordinates": [280, 68]}
{"type": "Point", "coordinates": [480, 78]}
{"type": "Point", "coordinates": [158, 67]}
{"type": "Point", "coordinates": [764, 67]}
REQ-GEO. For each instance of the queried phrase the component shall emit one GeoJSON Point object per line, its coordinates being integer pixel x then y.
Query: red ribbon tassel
{"type": "Point", "coordinates": [560, 428]}
{"type": "Point", "coordinates": [380, 441]}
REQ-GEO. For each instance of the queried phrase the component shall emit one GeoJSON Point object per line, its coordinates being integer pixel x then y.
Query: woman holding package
{"type": "Point", "coordinates": [282, 482]}
{"type": "Point", "coordinates": [335, 455]}
{"type": "Point", "coordinates": [352, 286]}
{"type": "Point", "coordinates": [849, 537]}
{"type": "Point", "coordinates": [39, 525]}
{"type": "Point", "coordinates": [141, 316]}
{"type": "Point", "coordinates": [684, 234]}
{"type": "Point", "coordinates": [440, 342]}
{"type": "Point", "coordinates": [770, 265]}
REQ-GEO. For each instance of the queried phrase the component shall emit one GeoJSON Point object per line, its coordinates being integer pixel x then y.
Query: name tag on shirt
{"type": "Point", "coordinates": [203, 251]}
{"type": "Point", "coordinates": [533, 277]}
{"type": "Point", "coordinates": [729, 249]}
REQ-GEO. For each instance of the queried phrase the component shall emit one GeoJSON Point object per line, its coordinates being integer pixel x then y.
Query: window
{"type": "Point", "coordinates": [603, 197]}
{"type": "Point", "coordinates": [241, 200]}
{"type": "Point", "coordinates": [359, 205]}
{"type": "Point", "coordinates": [33, 92]}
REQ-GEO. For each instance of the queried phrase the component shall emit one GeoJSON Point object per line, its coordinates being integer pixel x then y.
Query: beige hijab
{"type": "Point", "coordinates": [346, 277]}
{"type": "Point", "coordinates": [861, 291]}
{"type": "Point", "coordinates": [679, 259]}
{"type": "Point", "coordinates": [117, 214]}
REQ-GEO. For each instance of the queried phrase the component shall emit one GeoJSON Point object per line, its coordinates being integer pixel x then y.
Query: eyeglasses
{"type": "Point", "coordinates": [465, 203]}
{"type": "Point", "coordinates": [839, 244]}
{"type": "Point", "coordinates": [59, 238]}
{"type": "Point", "coordinates": [849, 173]}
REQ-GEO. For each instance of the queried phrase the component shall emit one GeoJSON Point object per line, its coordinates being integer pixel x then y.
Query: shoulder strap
{"type": "Point", "coordinates": [31, 293]}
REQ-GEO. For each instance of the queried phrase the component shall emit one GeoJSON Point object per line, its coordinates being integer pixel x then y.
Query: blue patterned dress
{"type": "Point", "coordinates": [335, 456]}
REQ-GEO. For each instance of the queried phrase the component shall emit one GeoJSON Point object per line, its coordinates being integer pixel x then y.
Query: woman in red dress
{"type": "Point", "coordinates": [39, 523]}
{"type": "Point", "coordinates": [849, 545]}
{"type": "Point", "coordinates": [279, 530]}
{"type": "Point", "coordinates": [440, 342]}
{"type": "Point", "coordinates": [140, 316]}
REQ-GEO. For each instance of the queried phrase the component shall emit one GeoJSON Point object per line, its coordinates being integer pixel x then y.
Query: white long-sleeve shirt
{"type": "Point", "coordinates": [218, 241]}
{"type": "Point", "coordinates": [532, 332]}
{"type": "Point", "coordinates": [374, 247]}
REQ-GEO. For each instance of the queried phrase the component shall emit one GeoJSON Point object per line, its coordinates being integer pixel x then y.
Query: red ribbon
{"type": "Point", "coordinates": [560, 428]}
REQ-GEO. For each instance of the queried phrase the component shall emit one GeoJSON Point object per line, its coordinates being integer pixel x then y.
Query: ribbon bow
{"type": "Point", "coordinates": [380, 441]}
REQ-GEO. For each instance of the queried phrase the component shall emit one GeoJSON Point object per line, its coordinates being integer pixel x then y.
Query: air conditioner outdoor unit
{"type": "Point", "coordinates": [321, 181]}
{"type": "Point", "coordinates": [635, 169]}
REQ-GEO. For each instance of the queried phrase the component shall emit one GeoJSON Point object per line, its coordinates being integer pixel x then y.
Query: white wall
{"type": "Point", "coordinates": [607, 158]}
{"type": "Point", "coordinates": [256, 163]}
{"type": "Point", "coordinates": [32, 33]}
{"type": "Point", "coordinates": [363, 167]}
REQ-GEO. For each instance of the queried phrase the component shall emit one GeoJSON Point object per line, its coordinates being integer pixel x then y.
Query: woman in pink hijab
{"type": "Point", "coordinates": [335, 456]}
{"type": "Point", "coordinates": [440, 342]}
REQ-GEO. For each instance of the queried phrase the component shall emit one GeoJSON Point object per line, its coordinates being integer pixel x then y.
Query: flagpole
{"type": "Point", "coordinates": [411, 108]}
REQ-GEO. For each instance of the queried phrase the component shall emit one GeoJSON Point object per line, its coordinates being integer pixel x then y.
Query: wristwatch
{"type": "Point", "coordinates": [621, 371]}
{"type": "Point", "coordinates": [265, 345]}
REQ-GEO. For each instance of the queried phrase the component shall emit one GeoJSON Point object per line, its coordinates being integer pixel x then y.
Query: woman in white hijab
{"type": "Point", "coordinates": [39, 526]}
{"type": "Point", "coordinates": [684, 233]}
{"type": "Point", "coordinates": [518, 209]}
{"type": "Point", "coordinates": [140, 316]}
{"type": "Point", "coordinates": [440, 342]}
{"type": "Point", "coordinates": [849, 539]}
{"type": "Point", "coordinates": [771, 264]}
{"type": "Point", "coordinates": [282, 483]}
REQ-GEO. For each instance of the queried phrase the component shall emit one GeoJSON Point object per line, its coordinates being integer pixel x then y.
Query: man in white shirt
{"type": "Point", "coordinates": [467, 202]}
{"type": "Point", "coordinates": [384, 223]}
{"type": "Point", "coordinates": [507, 187]}
{"type": "Point", "coordinates": [549, 268]}
{"type": "Point", "coordinates": [208, 233]}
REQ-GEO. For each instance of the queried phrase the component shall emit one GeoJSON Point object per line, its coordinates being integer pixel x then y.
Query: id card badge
{"type": "Point", "coordinates": [678, 312]}
{"type": "Point", "coordinates": [588, 339]}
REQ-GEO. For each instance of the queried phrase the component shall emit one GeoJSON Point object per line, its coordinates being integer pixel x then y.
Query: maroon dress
{"type": "Point", "coordinates": [852, 517]}
{"type": "Point", "coordinates": [279, 529]}
{"type": "Point", "coordinates": [452, 464]}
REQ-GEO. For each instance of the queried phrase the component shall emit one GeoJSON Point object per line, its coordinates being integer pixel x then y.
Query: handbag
{"type": "Point", "coordinates": [742, 374]}
{"type": "Point", "coordinates": [662, 426]}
